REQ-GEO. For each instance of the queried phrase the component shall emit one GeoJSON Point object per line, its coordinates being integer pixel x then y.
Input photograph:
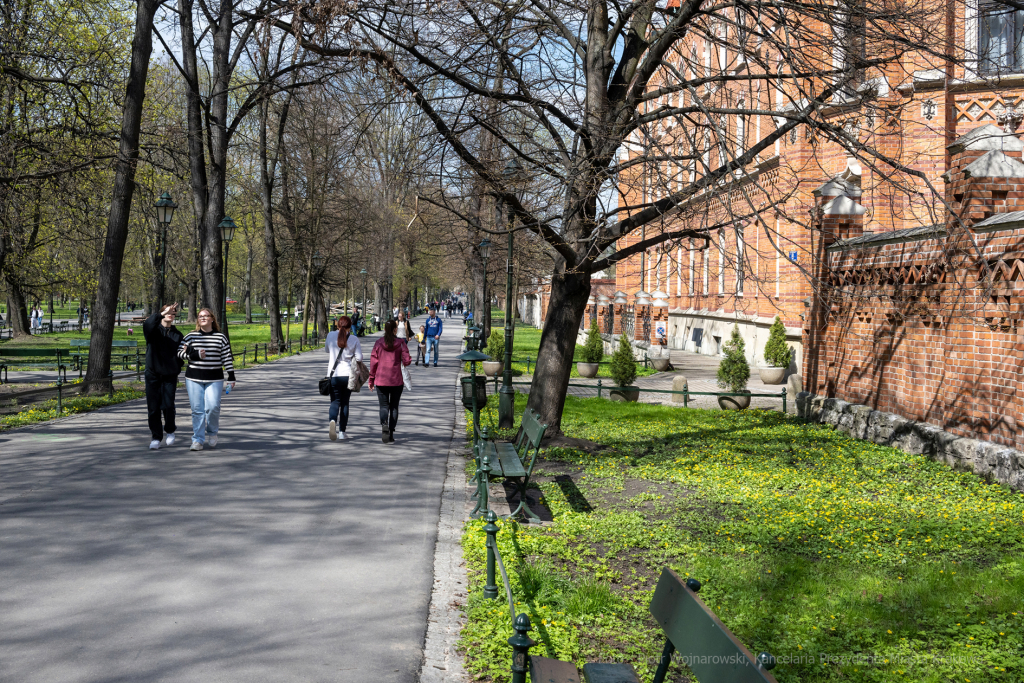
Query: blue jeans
{"type": "Point", "coordinates": [204, 397]}
{"type": "Point", "coordinates": [431, 350]}
{"type": "Point", "coordinates": [340, 394]}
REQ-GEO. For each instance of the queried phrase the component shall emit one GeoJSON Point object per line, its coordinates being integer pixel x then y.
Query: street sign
{"type": "Point", "coordinates": [792, 256]}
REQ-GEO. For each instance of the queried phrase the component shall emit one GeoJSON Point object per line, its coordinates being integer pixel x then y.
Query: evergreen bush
{"type": "Point", "coordinates": [623, 366]}
{"type": "Point", "coordinates": [734, 371]}
{"type": "Point", "coordinates": [776, 352]}
{"type": "Point", "coordinates": [593, 350]}
{"type": "Point", "coordinates": [496, 344]}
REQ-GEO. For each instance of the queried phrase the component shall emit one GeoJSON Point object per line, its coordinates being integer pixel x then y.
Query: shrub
{"type": "Point", "coordinates": [623, 366]}
{"type": "Point", "coordinates": [593, 350]}
{"type": "Point", "coordinates": [776, 352]}
{"type": "Point", "coordinates": [734, 371]}
{"type": "Point", "coordinates": [496, 344]}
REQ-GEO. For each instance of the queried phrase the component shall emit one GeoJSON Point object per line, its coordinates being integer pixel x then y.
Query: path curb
{"type": "Point", "coordinates": [446, 617]}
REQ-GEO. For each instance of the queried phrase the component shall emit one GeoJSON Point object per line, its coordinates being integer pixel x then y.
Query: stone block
{"type": "Point", "coordinates": [678, 384]}
{"type": "Point", "coordinates": [794, 385]}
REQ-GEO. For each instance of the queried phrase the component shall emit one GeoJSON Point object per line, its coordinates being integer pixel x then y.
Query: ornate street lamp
{"type": "Point", "coordinates": [165, 207]}
{"type": "Point", "coordinates": [513, 176]}
{"type": "Point", "coordinates": [227, 231]}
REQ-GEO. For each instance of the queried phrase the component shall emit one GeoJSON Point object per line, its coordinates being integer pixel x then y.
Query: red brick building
{"type": "Point", "coordinates": [899, 290]}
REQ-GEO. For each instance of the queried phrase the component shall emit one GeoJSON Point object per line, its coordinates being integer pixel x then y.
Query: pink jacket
{"type": "Point", "coordinates": [386, 366]}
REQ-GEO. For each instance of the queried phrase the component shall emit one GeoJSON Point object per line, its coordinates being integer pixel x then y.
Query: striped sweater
{"type": "Point", "coordinates": [218, 356]}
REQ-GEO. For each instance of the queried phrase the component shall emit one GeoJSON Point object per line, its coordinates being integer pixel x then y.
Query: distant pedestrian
{"type": "Point", "coordinates": [209, 355]}
{"type": "Point", "coordinates": [434, 329]}
{"type": "Point", "coordinates": [162, 369]}
{"type": "Point", "coordinates": [344, 348]}
{"type": "Point", "coordinates": [404, 330]}
{"type": "Point", "coordinates": [421, 346]}
{"type": "Point", "coordinates": [389, 356]}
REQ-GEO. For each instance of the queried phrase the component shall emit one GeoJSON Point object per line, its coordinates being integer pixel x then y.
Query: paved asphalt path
{"type": "Point", "coordinates": [278, 556]}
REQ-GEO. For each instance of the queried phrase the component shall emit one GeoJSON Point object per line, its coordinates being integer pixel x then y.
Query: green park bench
{"type": "Point", "coordinates": [516, 461]}
{"type": "Point", "coordinates": [122, 352]}
{"type": "Point", "coordinates": [692, 630]}
{"type": "Point", "coordinates": [46, 359]}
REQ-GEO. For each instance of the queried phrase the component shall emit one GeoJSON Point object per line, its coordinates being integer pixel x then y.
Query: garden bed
{"type": "Point", "coordinates": [846, 560]}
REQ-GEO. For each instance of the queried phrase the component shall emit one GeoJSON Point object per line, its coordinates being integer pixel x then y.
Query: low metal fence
{"type": "Point", "coordinates": [685, 393]}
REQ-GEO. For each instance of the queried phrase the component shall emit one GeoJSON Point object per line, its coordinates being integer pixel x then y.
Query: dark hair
{"type": "Point", "coordinates": [344, 324]}
{"type": "Point", "coordinates": [389, 335]}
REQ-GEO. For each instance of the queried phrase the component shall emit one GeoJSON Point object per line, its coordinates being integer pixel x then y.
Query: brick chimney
{"type": "Point", "coordinates": [985, 174]}
{"type": "Point", "coordinates": [837, 213]}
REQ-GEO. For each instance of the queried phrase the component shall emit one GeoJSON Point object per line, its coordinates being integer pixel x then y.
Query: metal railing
{"type": "Point", "coordinates": [629, 322]}
{"type": "Point", "coordinates": [520, 642]}
{"type": "Point", "coordinates": [609, 320]}
{"type": "Point", "coordinates": [686, 393]}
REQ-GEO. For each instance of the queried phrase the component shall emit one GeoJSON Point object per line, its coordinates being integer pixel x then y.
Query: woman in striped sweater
{"type": "Point", "coordinates": [209, 355]}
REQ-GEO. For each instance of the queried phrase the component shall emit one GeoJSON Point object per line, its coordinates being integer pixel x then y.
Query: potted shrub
{"type": "Point", "coordinates": [777, 355]}
{"type": "Point", "coordinates": [733, 373]}
{"type": "Point", "coordinates": [592, 352]}
{"type": "Point", "coordinates": [496, 350]}
{"type": "Point", "coordinates": [623, 370]}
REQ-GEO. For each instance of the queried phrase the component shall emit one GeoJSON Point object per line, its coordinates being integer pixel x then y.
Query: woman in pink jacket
{"type": "Point", "coordinates": [386, 360]}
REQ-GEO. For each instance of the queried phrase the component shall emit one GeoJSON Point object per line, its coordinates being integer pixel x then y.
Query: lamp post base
{"type": "Point", "coordinates": [506, 406]}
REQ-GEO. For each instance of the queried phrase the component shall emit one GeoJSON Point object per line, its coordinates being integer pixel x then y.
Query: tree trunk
{"type": "Point", "coordinates": [17, 310]}
{"type": "Point", "coordinates": [193, 300]}
{"type": "Point", "coordinates": [248, 283]}
{"type": "Point", "coordinates": [305, 303]}
{"type": "Point", "coordinates": [569, 294]}
{"type": "Point", "coordinates": [105, 308]}
{"type": "Point", "coordinates": [267, 169]}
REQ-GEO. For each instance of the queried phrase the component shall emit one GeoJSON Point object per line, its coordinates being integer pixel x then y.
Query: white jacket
{"type": "Point", "coordinates": [353, 351]}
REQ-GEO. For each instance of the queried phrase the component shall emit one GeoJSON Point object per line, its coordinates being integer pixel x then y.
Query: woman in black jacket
{"type": "Point", "coordinates": [162, 369]}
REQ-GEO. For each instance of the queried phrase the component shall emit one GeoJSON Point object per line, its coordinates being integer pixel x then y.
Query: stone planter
{"type": "Point", "coordinates": [630, 394]}
{"type": "Point", "coordinates": [734, 402]}
{"type": "Point", "coordinates": [771, 375]}
{"type": "Point", "coordinates": [493, 368]}
{"type": "Point", "coordinates": [660, 364]}
{"type": "Point", "coordinates": [587, 369]}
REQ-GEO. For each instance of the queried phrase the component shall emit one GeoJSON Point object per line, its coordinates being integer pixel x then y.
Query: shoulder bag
{"type": "Point", "coordinates": [325, 383]}
{"type": "Point", "coordinates": [360, 373]}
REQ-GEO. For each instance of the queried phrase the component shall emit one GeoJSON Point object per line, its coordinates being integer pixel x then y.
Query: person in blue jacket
{"type": "Point", "coordinates": [434, 329]}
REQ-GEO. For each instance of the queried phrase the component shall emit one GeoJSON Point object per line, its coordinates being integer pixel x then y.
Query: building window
{"type": "Point", "coordinates": [690, 283]}
{"type": "Point", "coordinates": [721, 262]}
{"type": "Point", "coordinates": [999, 39]}
{"type": "Point", "coordinates": [740, 248]}
{"type": "Point", "coordinates": [848, 50]}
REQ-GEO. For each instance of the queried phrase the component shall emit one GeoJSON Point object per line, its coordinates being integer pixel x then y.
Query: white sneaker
{"type": "Point", "coordinates": [196, 446]}
{"type": "Point", "coordinates": [341, 436]}
{"type": "Point", "coordinates": [154, 445]}
{"type": "Point", "coordinates": [169, 439]}
{"type": "Point", "coordinates": [332, 431]}
{"type": "Point", "coordinates": [212, 441]}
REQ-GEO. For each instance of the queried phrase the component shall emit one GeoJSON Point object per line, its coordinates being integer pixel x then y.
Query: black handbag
{"type": "Point", "coordinates": [325, 383]}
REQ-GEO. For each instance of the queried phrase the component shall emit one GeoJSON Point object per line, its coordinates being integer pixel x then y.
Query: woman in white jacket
{"type": "Point", "coordinates": [343, 349]}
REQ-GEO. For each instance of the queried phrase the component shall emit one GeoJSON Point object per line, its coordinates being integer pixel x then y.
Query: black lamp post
{"type": "Point", "coordinates": [227, 231]}
{"type": "Point", "coordinates": [165, 207]}
{"type": "Point", "coordinates": [318, 263]}
{"type": "Point", "coordinates": [485, 254]}
{"type": "Point", "coordinates": [513, 176]}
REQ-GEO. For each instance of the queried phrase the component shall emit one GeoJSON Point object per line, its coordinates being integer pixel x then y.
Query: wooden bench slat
{"type": "Point", "coordinates": [599, 672]}
{"type": "Point", "coordinates": [511, 465]}
{"type": "Point", "coordinates": [712, 652]}
{"type": "Point", "coordinates": [544, 670]}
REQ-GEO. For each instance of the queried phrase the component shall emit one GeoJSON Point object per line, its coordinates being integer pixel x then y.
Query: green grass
{"type": "Point", "coordinates": [809, 544]}
{"type": "Point", "coordinates": [47, 410]}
